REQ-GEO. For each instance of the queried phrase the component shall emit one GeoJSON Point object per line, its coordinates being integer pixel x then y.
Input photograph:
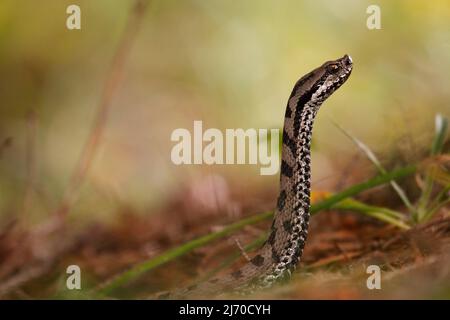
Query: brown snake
{"type": "Point", "coordinates": [280, 254]}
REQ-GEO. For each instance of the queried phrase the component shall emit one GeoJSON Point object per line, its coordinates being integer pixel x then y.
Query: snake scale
{"type": "Point", "coordinates": [281, 252]}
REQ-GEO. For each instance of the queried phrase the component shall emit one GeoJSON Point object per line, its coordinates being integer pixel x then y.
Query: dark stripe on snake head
{"type": "Point", "coordinates": [288, 113]}
{"type": "Point", "coordinates": [303, 100]}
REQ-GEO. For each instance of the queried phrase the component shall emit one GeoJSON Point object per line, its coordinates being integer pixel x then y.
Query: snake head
{"type": "Point", "coordinates": [316, 86]}
{"type": "Point", "coordinates": [337, 71]}
{"type": "Point", "coordinates": [333, 75]}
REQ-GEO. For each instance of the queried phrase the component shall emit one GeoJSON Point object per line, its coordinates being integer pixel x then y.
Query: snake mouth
{"type": "Point", "coordinates": [347, 64]}
{"type": "Point", "coordinates": [347, 60]}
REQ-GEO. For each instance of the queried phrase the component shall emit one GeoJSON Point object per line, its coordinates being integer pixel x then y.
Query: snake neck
{"type": "Point", "coordinates": [290, 225]}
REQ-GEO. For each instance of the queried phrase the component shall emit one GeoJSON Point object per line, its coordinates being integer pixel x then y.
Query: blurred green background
{"type": "Point", "coordinates": [231, 64]}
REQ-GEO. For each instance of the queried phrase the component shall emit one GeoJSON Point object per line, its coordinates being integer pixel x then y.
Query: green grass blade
{"type": "Point", "coordinates": [387, 215]}
{"type": "Point", "coordinates": [176, 252]}
{"type": "Point", "coordinates": [384, 214]}
{"type": "Point", "coordinates": [372, 157]}
{"type": "Point", "coordinates": [358, 188]}
{"type": "Point", "coordinates": [441, 126]}
{"type": "Point", "coordinates": [441, 195]}
{"type": "Point", "coordinates": [183, 249]}
{"type": "Point", "coordinates": [433, 210]}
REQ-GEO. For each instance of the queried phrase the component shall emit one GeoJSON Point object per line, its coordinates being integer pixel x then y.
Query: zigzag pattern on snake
{"type": "Point", "coordinates": [280, 254]}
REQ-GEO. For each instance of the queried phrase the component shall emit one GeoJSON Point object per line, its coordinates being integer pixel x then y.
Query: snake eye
{"type": "Point", "coordinates": [332, 67]}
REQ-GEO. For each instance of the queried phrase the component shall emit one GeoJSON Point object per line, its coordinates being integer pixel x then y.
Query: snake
{"type": "Point", "coordinates": [278, 257]}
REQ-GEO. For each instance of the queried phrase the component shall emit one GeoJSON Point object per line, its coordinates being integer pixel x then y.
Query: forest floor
{"type": "Point", "coordinates": [414, 263]}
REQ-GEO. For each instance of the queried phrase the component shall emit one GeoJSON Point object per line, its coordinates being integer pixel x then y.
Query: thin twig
{"type": "Point", "coordinates": [30, 161]}
{"type": "Point", "coordinates": [241, 249]}
{"type": "Point", "coordinates": [87, 155]}
{"type": "Point", "coordinates": [110, 88]}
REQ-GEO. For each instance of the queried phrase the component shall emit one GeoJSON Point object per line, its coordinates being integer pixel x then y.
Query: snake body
{"type": "Point", "coordinates": [281, 252]}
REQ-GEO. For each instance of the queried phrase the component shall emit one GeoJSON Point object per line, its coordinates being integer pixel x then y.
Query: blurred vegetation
{"type": "Point", "coordinates": [230, 64]}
